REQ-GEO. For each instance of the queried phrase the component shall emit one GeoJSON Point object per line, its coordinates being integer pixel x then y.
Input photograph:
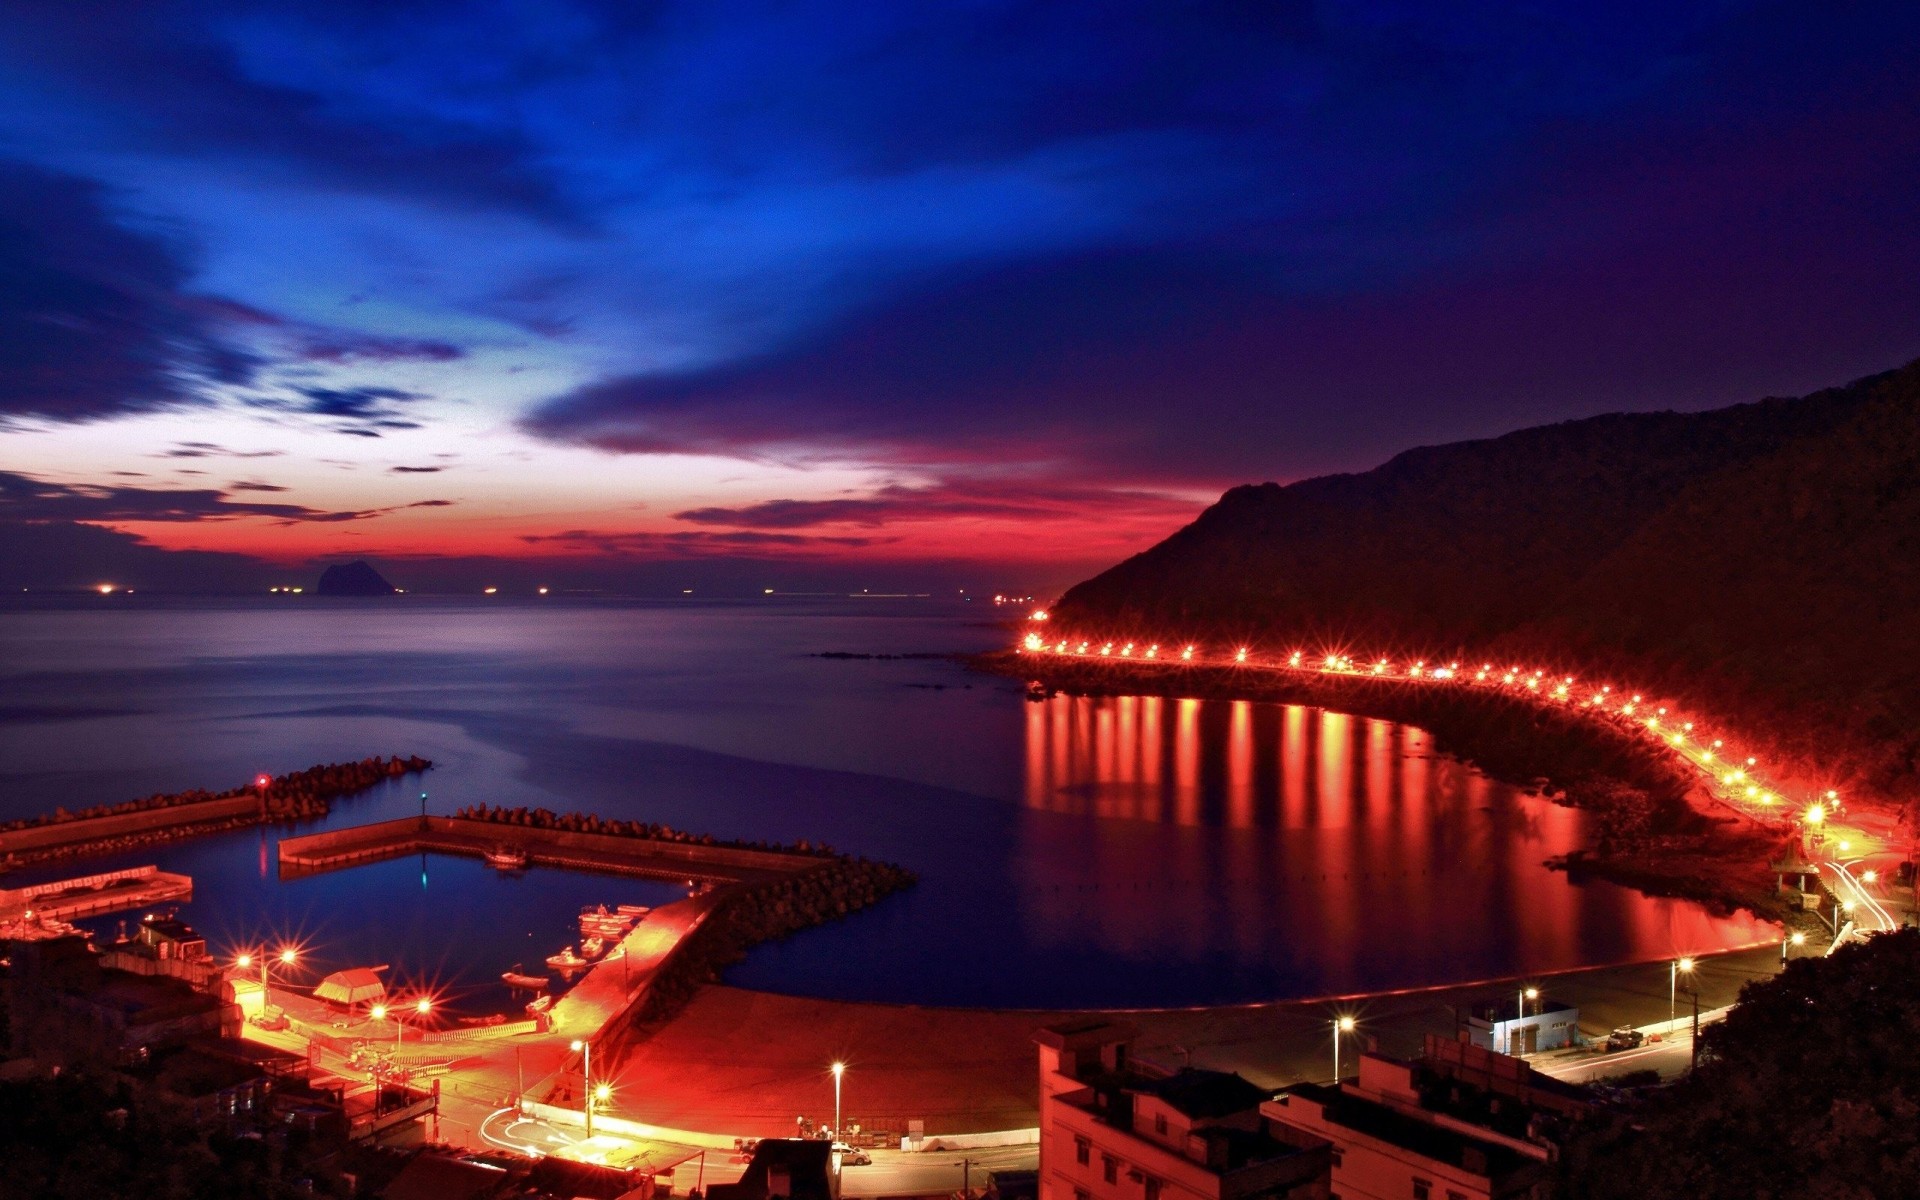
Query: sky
{"type": "Point", "coordinates": [926, 296]}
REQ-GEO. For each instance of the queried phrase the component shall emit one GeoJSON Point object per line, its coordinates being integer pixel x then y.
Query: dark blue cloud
{"type": "Point", "coordinates": [94, 318]}
{"type": "Point", "coordinates": [169, 78]}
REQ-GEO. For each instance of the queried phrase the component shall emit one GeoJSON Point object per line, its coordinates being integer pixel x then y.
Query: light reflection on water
{"type": "Point", "coordinates": [1372, 856]}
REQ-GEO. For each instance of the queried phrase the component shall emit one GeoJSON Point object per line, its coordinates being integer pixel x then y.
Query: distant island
{"type": "Point", "coordinates": [357, 578]}
{"type": "Point", "coordinates": [1759, 562]}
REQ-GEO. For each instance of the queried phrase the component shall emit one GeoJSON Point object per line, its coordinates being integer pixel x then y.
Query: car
{"type": "Point", "coordinates": [1625, 1038]}
{"type": "Point", "coordinates": [849, 1157]}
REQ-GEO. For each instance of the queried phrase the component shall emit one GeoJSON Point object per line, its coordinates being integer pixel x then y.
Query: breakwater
{"type": "Point", "coordinates": [164, 817]}
{"type": "Point", "coordinates": [751, 914]}
{"type": "Point", "coordinates": [547, 819]}
{"type": "Point", "coordinates": [569, 846]}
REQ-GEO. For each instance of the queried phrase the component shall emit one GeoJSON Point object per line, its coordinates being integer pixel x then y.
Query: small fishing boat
{"type": "Point", "coordinates": [567, 960]}
{"type": "Point", "coordinates": [635, 911]}
{"type": "Point", "coordinates": [525, 983]}
{"type": "Point", "coordinates": [507, 858]}
{"type": "Point", "coordinates": [593, 947]}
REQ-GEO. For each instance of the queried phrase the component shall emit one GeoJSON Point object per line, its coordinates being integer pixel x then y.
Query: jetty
{"type": "Point", "coordinates": [606, 854]}
{"type": "Point", "coordinates": [91, 895]}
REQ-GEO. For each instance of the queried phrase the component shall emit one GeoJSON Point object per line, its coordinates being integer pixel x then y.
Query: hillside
{"type": "Point", "coordinates": [1761, 562]}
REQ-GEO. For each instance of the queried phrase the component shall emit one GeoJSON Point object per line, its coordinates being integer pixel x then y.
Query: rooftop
{"type": "Point", "coordinates": [1202, 1095]}
{"type": "Point", "coordinates": [1379, 1121]}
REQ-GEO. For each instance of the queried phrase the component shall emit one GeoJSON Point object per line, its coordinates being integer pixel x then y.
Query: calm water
{"type": "Point", "coordinates": [1120, 852]}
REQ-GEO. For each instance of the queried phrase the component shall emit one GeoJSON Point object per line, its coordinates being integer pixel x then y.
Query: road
{"type": "Point", "coordinates": [930, 1172]}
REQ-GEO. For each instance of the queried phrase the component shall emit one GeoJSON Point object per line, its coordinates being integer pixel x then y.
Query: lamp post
{"type": "Point", "coordinates": [1340, 1025]}
{"type": "Point", "coordinates": [379, 1013]}
{"type": "Point", "coordinates": [839, 1072]}
{"type": "Point", "coordinates": [1674, 971]}
{"type": "Point", "coordinates": [586, 1078]}
{"type": "Point", "coordinates": [1795, 938]}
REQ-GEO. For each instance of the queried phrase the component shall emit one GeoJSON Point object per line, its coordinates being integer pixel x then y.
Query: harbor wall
{"type": "Point", "coordinates": [458, 835]}
{"type": "Point", "coordinates": [88, 829]}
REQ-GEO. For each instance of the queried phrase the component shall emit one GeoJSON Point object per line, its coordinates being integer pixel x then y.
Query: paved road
{"type": "Point", "coordinates": [898, 1173]}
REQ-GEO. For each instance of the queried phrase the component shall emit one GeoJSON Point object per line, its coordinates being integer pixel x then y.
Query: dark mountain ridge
{"type": "Point", "coordinates": [1760, 562]}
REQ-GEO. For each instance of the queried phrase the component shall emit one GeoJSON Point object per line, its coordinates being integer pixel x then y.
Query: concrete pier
{"type": "Point", "coordinates": [608, 854]}
{"type": "Point", "coordinates": [91, 895]}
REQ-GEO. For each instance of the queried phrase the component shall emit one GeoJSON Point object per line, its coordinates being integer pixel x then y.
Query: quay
{"type": "Point", "coordinates": [609, 854]}
{"type": "Point", "coordinates": [91, 895]}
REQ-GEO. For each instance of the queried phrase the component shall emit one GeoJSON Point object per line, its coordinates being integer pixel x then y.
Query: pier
{"type": "Point", "coordinates": [91, 895]}
{"type": "Point", "coordinates": [607, 854]}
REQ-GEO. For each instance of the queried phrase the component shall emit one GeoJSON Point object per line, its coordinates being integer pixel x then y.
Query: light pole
{"type": "Point", "coordinates": [1673, 988]}
{"type": "Point", "coordinates": [586, 1078]}
{"type": "Point", "coordinates": [379, 1013]}
{"type": "Point", "coordinates": [1794, 939]}
{"type": "Point", "coordinates": [839, 1071]}
{"type": "Point", "coordinates": [1340, 1025]}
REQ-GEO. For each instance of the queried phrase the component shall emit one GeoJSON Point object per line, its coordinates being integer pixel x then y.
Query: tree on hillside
{"type": "Point", "coordinates": [1810, 1089]}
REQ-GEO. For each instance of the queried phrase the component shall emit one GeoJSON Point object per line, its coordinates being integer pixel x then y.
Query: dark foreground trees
{"type": "Point", "coordinates": [1810, 1089]}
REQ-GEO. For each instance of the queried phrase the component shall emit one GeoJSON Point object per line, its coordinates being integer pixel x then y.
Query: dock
{"type": "Point", "coordinates": [606, 854]}
{"type": "Point", "coordinates": [91, 895]}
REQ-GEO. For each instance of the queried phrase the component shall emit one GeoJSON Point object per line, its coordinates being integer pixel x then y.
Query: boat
{"type": "Point", "coordinates": [636, 911]}
{"type": "Point", "coordinates": [507, 858]}
{"type": "Point", "coordinates": [539, 1006]}
{"type": "Point", "coordinates": [567, 960]}
{"type": "Point", "coordinates": [525, 983]}
{"type": "Point", "coordinates": [593, 947]}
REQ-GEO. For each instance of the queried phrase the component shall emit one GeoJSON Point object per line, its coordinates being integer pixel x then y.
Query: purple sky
{"type": "Point", "coordinates": [909, 296]}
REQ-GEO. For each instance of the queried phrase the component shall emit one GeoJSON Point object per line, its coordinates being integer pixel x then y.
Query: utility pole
{"type": "Point", "coordinates": [966, 1175]}
{"type": "Point", "coordinates": [1694, 1061]}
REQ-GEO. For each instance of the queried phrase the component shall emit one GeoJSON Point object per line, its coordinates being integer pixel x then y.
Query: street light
{"type": "Point", "coordinates": [1673, 988]}
{"type": "Point", "coordinates": [1527, 994]}
{"type": "Point", "coordinates": [586, 1077]}
{"type": "Point", "coordinates": [1795, 939]}
{"type": "Point", "coordinates": [839, 1071]}
{"type": "Point", "coordinates": [1340, 1025]}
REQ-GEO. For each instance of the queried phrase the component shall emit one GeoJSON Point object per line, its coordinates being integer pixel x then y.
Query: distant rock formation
{"type": "Point", "coordinates": [356, 578]}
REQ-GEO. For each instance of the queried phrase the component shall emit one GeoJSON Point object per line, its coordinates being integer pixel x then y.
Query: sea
{"type": "Point", "coordinates": [1119, 852]}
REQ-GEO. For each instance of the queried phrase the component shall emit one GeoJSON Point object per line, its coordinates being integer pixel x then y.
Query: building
{"type": "Point", "coordinates": [794, 1168]}
{"type": "Point", "coordinates": [1114, 1128]}
{"type": "Point", "coordinates": [66, 1006]}
{"type": "Point", "coordinates": [1462, 1123]}
{"type": "Point", "coordinates": [1523, 1027]}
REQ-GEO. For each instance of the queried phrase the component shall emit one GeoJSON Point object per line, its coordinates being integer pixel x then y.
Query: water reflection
{"type": "Point", "coordinates": [1271, 842]}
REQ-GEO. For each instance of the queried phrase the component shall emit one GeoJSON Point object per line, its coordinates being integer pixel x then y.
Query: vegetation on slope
{"type": "Point", "coordinates": [1808, 1088]}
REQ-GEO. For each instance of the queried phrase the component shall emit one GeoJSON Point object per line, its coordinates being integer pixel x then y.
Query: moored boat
{"type": "Point", "coordinates": [507, 858]}
{"type": "Point", "coordinates": [525, 983]}
{"type": "Point", "coordinates": [567, 960]}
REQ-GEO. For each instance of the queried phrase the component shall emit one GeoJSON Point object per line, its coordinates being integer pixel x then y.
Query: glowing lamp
{"type": "Point", "coordinates": [1799, 939]}
{"type": "Point", "coordinates": [423, 1006]}
{"type": "Point", "coordinates": [1346, 1024]}
{"type": "Point", "coordinates": [378, 1012]}
{"type": "Point", "coordinates": [1686, 965]}
{"type": "Point", "coordinates": [1039, 614]}
{"type": "Point", "coordinates": [1870, 876]}
{"type": "Point", "coordinates": [288, 955]}
{"type": "Point", "coordinates": [1816, 814]}
{"type": "Point", "coordinates": [601, 1091]}
{"type": "Point", "coordinates": [1241, 655]}
{"type": "Point", "coordinates": [243, 960]}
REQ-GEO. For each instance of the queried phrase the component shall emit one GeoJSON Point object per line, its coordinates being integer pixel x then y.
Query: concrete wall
{"type": "Point", "coordinates": [723, 861]}
{"type": "Point", "coordinates": [86, 829]}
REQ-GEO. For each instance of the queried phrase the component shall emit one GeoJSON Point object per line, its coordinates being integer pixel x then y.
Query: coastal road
{"type": "Point", "coordinates": [927, 1172]}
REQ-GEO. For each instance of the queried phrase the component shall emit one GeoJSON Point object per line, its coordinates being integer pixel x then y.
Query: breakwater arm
{"type": "Point", "coordinates": [168, 816]}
